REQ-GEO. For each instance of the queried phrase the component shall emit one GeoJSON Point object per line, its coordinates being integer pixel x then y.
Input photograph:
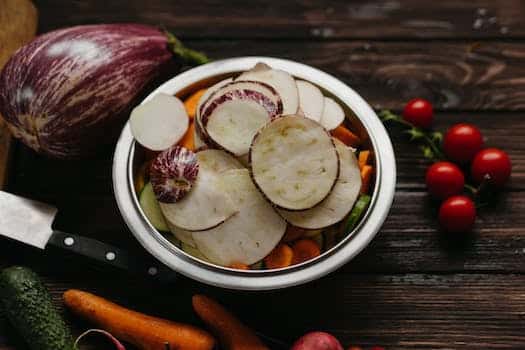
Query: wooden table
{"type": "Point", "coordinates": [413, 287]}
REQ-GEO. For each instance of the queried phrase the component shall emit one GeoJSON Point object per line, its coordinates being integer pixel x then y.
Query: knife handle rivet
{"type": "Point", "coordinates": [110, 256]}
{"type": "Point", "coordinates": [152, 271]}
{"type": "Point", "coordinates": [69, 241]}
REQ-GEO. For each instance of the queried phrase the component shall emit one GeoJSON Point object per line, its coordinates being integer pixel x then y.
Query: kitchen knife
{"type": "Point", "coordinates": [30, 222]}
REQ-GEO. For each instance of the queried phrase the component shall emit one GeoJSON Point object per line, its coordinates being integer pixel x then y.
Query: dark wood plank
{"type": "Point", "coordinates": [405, 311]}
{"type": "Point", "coordinates": [301, 18]}
{"type": "Point", "coordinates": [453, 75]}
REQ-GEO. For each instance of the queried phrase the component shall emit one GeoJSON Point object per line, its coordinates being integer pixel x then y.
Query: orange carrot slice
{"type": "Point", "coordinates": [239, 266]}
{"type": "Point", "coordinates": [346, 136]}
{"type": "Point", "coordinates": [364, 158]}
{"type": "Point", "coordinates": [366, 177]}
{"type": "Point", "coordinates": [305, 249]}
{"type": "Point", "coordinates": [292, 233]}
{"type": "Point", "coordinates": [142, 177]}
{"type": "Point", "coordinates": [192, 101]}
{"type": "Point", "coordinates": [188, 140]}
{"type": "Point", "coordinates": [280, 256]}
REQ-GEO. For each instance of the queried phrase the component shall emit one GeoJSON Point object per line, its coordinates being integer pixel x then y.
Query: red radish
{"type": "Point", "coordinates": [280, 80]}
{"type": "Point", "coordinates": [65, 94]}
{"type": "Point", "coordinates": [173, 173]}
{"type": "Point", "coordinates": [419, 112]}
{"type": "Point", "coordinates": [492, 163]}
{"type": "Point", "coordinates": [115, 341]}
{"type": "Point", "coordinates": [232, 119]}
{"type": "Point", "coordinates": [444, 179]}
{"type": "Point", "coordinates": [462, 142]}
{"type": "Point", "coordinates": [311, 100]}
{"type": "Point", "coordinates": [317, 341]}
{"type": "Point", "coordinates": [333, 114]}
{"type": "Point", "coordinates": [159, 123]}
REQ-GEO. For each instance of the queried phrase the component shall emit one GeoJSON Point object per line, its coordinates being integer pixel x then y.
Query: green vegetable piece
{"type": "Point", "coordinates": [151, 208]}
{"type": "Point", "coordinates": [28, 307]}
{"type": "Point", "coordinates": [359, 208]}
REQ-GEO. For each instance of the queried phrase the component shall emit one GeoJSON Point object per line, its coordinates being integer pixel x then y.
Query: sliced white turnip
{"type": "Point", "coordinates": [232, 119]}
{"type": "Point", "coordinates": [339, 202]}
{"type": "Point", "coordinates": [197, 141]}
{"type": "Point", "coordinates": [173, 173]}
{"type": "Point", "coordinates": [184, 236]}
{"type": "Point", "coordinates": [207, 204]}
{"type": "Point", "coordinates": [248, 236]}
{"type": "Point", "coordinates": [294, 162]}
{"type": "Point", "coordinates": [280, 80]}
{"type": "Point", "coordinates": [333, 114]}
{"type": "Point", "coordinates": [311, 100]}
{"type": "Point", "coordinates": [159, 123]}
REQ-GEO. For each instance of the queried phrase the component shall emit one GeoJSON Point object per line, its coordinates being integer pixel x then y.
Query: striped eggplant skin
{"type": "Point", "coordinates": [65, 94]}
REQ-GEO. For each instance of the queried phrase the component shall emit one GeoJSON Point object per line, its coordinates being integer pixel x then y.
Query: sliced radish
{"type": "Point", "coordinates": [311, 100]}
{"type": "Point", "coordinates": [159, 123]}
{"type": "Point", "coordinates": [280, 80]}
{"type": "Point", "coordinates": [173, 173]}
{"type": "Point", "coordinates": [294, 162]}
{"type": "Point", "coordinates": [191, 250]}
{"type": "Point", "coordinates": [182, 235]}
{"type": "Point", "coordinates": [333, 114]}
{"type": "Point", "coordinates": [197, 141]}
{"type": "Point", "coordinates": [248, 236]}
{"type": "Point", "coordinates": [207, 204]}
{"type": "Point", "coordinates": [232, 119]}
{"type": "Point", "coordinates": [339, 202]}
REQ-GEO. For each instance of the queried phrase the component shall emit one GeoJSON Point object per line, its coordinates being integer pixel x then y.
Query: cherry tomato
{"type": "Point", "coordinates": [492, 162]}
{"type": "Point", "coordinates": [457, 214]}
{"type": "Point", "coordinates": [419, 112]}
{"type": "Point", "coordinates": [444, 179]}
{"type": "Point", "coordinates": [462, 142]}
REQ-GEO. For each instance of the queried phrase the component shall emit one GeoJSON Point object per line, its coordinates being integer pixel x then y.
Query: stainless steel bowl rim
{"type": "Point", "coordinates": [348, 248]}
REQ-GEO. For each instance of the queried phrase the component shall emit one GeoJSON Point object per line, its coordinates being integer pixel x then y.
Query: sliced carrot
{"type": "Point", "coordinates": [280, 256]}
{"type": "Point", "coordinates": [346, 136]}
{"type": "Point", "coordinates": [305, 249]}
{"type": "Point", "coordinates": [233, 334]}
{"type": "Point", "coordinates": [191, 103]}
{"type": "Point", "coordinates": [188, 140]}
{"type": "Point", "coordinates": [292, 233]}
{"type": "Point", "coordinates": [366, 177]}
{"type": "Point", "coordinates": [364, 158]}
{"type": "Point", "coordinates": [239, 266]}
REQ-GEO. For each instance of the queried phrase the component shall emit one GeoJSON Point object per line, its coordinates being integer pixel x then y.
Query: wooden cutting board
{"type": "Point", "coordinates": [18, 24]}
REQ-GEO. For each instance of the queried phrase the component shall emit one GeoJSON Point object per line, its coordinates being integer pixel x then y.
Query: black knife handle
{"type": "Point", "coordinates": [111, 255]}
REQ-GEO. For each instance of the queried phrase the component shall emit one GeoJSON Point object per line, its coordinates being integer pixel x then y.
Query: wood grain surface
{"type": "Point", "coordinates": [413, 287]}
{"type": "Point", "coordinates": [18, 24]}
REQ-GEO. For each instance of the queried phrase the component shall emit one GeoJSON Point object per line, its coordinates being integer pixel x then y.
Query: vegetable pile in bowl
{"type": "Point", "coordinates": [258, 171]}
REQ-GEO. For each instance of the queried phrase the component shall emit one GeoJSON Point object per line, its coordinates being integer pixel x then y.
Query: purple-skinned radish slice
{"type": "Point", "coordinates": [200, 106]}
{"type": "Point", "coordinates": [160, 122]}
{"type": "Point", "coordinates": [248, 236]}
{"type": "Point", "coordinates": [339, 202]}
{"type": "Point", "coordinates": [333, 114]}
{"type": "Point", "coordinates": [311, 100]}
{"type": "Point", "coordinates": [173, 173]}
{"type": "Point", "coordinates": [294, 162]}
{"type": "Point", "coordinates": [207, 205]}
{"type": "Point", "coordinates": [280, 80]}
{"type": "Point", "coordinates": [232, 119]}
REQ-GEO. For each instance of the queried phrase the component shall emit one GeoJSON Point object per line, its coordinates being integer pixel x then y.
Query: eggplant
{"type": "Point", "coordinates": [65, 94]}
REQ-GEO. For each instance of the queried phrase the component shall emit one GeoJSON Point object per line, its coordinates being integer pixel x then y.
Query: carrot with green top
{"type": "Point", "coordinates": [304, 250]}
{"type": "Point", "coordinates": [366, 178]}
{"type": "Point", "coordinates": [233, 334]}
{"type": "Point", "coordinates": [346, 136]}
{"type": "Point", "coordinates": [281, 256]}
{"type": "Point", "coordinates": [191, 103]}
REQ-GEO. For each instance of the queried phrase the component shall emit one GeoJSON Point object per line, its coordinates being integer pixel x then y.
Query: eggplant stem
{"type": "Point", "coordinates": [187, 54]}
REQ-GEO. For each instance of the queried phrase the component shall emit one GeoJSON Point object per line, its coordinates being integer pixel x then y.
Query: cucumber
{"type": "Point", "coordinates": [151, 208]}
{"type": "Point", "coordinates": [28, 306]}
{"type": "Point", "coordinates": [360, 206]}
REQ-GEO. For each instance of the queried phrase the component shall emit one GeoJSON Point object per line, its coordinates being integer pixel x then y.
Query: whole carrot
{"type": "Point", "coordinates": [143, 331]}
{"type": "Point", "coordinates": [232, 334]}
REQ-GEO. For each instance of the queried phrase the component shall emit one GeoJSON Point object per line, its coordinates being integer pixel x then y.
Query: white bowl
{"type": "Point", "coordinates": [127, 159]}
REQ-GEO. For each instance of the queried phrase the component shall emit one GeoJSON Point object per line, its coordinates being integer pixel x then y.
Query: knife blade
{"type": "Point", "coordinates": [30, 222]}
